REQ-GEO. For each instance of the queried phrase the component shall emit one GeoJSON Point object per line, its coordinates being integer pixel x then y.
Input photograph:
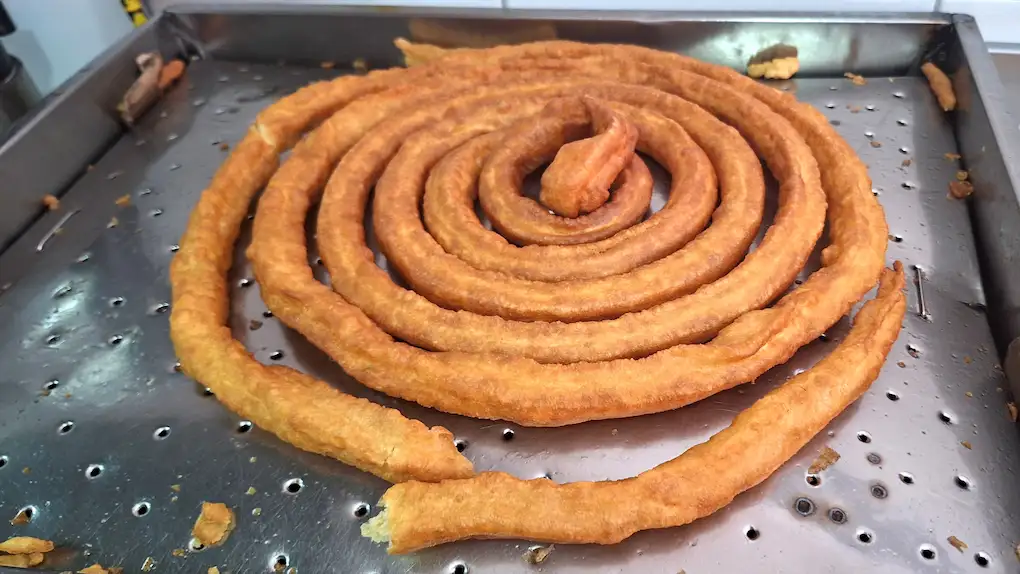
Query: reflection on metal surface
{"type": "Point", "coordinates": [145, 436]}
{"type": "Point", "coordinates": [55, 230]}
{"type": "Point", "coordinates": [827, 46]}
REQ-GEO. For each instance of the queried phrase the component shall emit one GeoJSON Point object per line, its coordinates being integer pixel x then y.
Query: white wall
{"type": "Point", "coordinates": [55, 38]}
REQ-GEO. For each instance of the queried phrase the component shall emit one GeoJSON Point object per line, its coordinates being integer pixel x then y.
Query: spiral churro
{"type": "Point", "coordinates": [593, 317]}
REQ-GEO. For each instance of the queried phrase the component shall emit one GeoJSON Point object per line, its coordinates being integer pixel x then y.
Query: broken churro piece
{"type": "Point", "coordinates": [957, 543]}
{"type": "Point", "coordinates": [579, 177]}
{"type": "Point", "coordinates": [538, 554]}
{"type": "Point", "coordinates": [857, 80]}
{"type": "Point", "coordinates": [960, 189]}
{"type": "Point", "coordinates": [25, 545]}
{"type": "Point", "coordinates": [98, 569]}
{"type": "Point", "coordinates": [941, 86]}
{"type": "Point", "coordinates": [170, 73]}
{"type": "Point", "coordinates": [51, 202]}
{"type": "Point", "coordinates": [146, 89]}
{"type": "Point", "coordinates": [780, 69]}
{"type": "Point", "coordinates": [214, 524]}
{"type": "Point", "coordinates": [825, 459]}
{"type": "Point", "coordinates": [22, 560]}
{"type": "Point", "coordinates": [778, 62]}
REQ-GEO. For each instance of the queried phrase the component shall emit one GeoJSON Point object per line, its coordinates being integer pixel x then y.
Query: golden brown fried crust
{"type": "Point", "coordinates": [693, 485]}
{"type": "Point", "coordinates": [299, 409]}
{"type": "Point", "coordinates": [509, 386]}
{"type": "Point", "coordinates": [940, 85]}
{"type": "Point", "coordinates": [578, 179]}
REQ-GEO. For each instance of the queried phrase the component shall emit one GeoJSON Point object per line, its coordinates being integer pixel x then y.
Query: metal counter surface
{"type": "Point", "coordinates": [114, 451]}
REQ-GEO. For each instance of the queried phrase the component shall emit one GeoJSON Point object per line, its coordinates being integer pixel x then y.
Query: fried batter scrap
{"type": "Point", "coordinates": [51, 202]}
{"type": "Point", "coordinates": [778, 62]}
{"type": "Point", "coordinates": [960, 189]}
{"type": "Point", "coordinates": [99, 569]}
{"type": "Point", "coordinates": [825, 459]}
{"type": "Point", "coordinates": [214, 524]}
{"type": "Point", "coordinates": [578, 179]}
{"type": "Point", "coordinates": [538, 554]}
{"type": "Point", "coordinates": [22, 560]}
{"type": "Point", "coordinates": [25, 545]}
{"type": "Point", "coordinates": [170, 73]}
{"type": "Point", "coordinates": [957, 543]}
{"type": "Point", "coordinates": [855, 79]}
{"type": "Point", "coordinates": [940, 85]}
{"type": "Point", "coordinates": [778, 69]}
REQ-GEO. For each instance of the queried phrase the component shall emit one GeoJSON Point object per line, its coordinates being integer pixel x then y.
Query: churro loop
{"type": "Point", "coordinates": [522, 148]}
{"type": "Point", "coordinates": [452, 189]}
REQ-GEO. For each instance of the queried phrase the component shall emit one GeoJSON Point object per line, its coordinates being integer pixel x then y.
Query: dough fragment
{"type": "Point", "coordinates": [22, 560]}
{"type": "Point", "coordinates": [940, 85]}
{"type": "Point", "coordinates": [825, 459]}
{"type": "Point", "coordinates": [778, 69]}
{"type": "Point", "coordinates": [777, 62]}
{"type": "Point", "coordinates": [855, 79]}
{"type": "Point", "coordinates": [25, 545]}
{"type": "Point", "coordinates": [214, 524]}
{"type": "Point", "coordinates": [960, 189]}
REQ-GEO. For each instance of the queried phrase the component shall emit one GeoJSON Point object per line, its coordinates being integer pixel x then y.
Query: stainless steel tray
{"type": "Point", "coordinates": [114, 450]}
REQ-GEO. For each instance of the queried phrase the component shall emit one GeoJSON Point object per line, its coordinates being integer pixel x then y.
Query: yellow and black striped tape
{"type": "Point", "coordinates": [134, 11]}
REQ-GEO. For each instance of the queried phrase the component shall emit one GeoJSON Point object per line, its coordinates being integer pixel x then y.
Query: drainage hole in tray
{"type": "Point", "coordinates": [141, 509]}
{"type": "Point", "coordinates": [93, 471]}
{"type": "Point", "coordinates": [293, 485]}
{"type": "Point", "coordinates": [804, 506]}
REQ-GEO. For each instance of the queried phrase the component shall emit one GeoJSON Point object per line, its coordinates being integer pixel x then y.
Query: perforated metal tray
{"type": "Point", "coordinates": [113, 450]}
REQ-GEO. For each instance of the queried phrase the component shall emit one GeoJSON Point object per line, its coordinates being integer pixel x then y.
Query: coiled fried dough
{"type": "Point", "coordinates": [542, 335]}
